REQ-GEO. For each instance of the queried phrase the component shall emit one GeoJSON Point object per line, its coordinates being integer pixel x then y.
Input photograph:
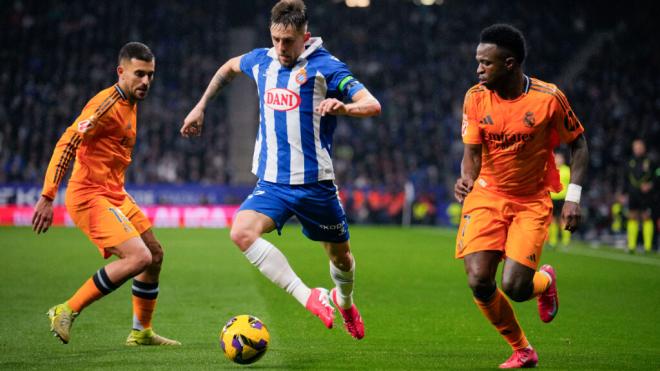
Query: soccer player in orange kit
{"type": "Point", "coordinates": [511, 123]}
{"type": "Point", "coordinates": [101, 141]}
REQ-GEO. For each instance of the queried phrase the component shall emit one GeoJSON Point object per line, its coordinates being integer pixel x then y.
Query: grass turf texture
{"type": "Point", "coordinates": [411, 291]}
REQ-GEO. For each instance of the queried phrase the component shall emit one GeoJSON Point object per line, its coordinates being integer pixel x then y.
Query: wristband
{"type": "Point", "coordinates": [573, 193]}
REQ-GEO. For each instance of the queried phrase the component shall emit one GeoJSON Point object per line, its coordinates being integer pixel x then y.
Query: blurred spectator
{"type": "Point", "coordinates": [417, 60]}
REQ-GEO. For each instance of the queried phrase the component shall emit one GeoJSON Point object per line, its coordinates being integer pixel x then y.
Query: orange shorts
{"type": "Point", "coordinates": [107, 224]}
{"type": "Point", "coordinates": [517, 227]}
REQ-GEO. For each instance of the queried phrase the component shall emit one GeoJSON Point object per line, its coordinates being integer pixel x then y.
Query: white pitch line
{"type": "Point", "coordinates": [613, 256]}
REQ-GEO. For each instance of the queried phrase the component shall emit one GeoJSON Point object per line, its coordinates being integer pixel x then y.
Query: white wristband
{"type": "Point", "coordinates": [573, 193]}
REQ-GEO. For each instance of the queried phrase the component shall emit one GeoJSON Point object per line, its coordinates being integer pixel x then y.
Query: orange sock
{"type": "Point", "coordinates": [144, 303]}
{"type": "Point", "coordinates": [499, 312]}
{"type": "Point", "coordinates": [541, 283]}
{"type": "Point", "coordinates": [93, 289]}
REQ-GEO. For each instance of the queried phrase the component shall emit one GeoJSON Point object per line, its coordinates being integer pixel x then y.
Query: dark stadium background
{"type": "Point", "coordinates": [418, 61]}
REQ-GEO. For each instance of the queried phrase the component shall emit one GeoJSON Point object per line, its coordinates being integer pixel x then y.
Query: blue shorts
{"type": "Point", "coordinates": [316, 206]}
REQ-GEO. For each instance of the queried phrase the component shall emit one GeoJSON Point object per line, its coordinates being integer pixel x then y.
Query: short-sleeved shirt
{"type": "Point", "coordinates": [518, 136]}
{"type": "Point", "coordinates": [294, 143]}
{"type": "Point", "coordinates": [101, 141]}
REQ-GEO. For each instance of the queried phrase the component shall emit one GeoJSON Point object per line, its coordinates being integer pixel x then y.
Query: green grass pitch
{"type": "Point", "coordinates": [411, 291]}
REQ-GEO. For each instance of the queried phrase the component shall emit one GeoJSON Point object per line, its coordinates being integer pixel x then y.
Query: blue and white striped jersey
{"type": "Point", "coordinates": [294, 143]}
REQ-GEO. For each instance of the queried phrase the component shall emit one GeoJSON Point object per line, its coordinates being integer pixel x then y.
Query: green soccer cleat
{"type": "Point", "coordinates": [61, 318]}
{"type": "Point", "coordinates": [148, 337]}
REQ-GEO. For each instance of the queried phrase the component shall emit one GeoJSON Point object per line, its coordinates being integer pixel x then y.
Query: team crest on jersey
{"type": "Point", "coordinates": [301, 76]}
{"type": "Point", "coordinates": [85, 125]}
{"type": "Point", "coordinates": [529, 119]}
{"type": "Point", "coordinates": [281, 99]}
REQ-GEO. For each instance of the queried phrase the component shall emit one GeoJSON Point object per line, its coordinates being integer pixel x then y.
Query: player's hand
{"type": "Point", "coordinates": [571, 216]}
{"type": "Point", "coordinates": [462, 187]}
{"type": "Point", "coordinates": [193, 123]}
{"type": "Point", "coordinates": [43, 215]}
{"type": "Point", "coordinates": [331, 106]}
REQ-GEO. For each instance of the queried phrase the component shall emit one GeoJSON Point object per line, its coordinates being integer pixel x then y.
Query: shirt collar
{"type": "Point", "coordinates": [312, 45]}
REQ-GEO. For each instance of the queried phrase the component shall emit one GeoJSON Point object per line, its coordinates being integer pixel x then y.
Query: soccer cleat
{"type": "Point", "coordinates": [352, 319]}
{"type": "Point", "coordinates": [61, 318]}
{"type": "Point", "coordinates": [148, 337]}
{"type": "Point", "coordinates": [318, 304]}
{"type": "Point", "coordinates": [522, 358]}
{"type": "Point", "coordinates": [548, 301]}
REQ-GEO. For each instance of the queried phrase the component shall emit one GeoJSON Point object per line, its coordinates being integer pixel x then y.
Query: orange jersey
{"type": "Point", "coordinates": [518, 136]}
{"type": "Point", "coordinates": [101, 141]}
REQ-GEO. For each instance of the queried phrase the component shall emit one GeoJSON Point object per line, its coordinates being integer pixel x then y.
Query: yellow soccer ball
{"type": "Point", "coordinates": [244, 339]}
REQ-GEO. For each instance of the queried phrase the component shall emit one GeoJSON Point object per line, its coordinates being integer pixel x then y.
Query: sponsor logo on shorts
{"type": "Point", "coordinates": [341, 227]}
{"type": "Point", "coordinates": [281, 99]}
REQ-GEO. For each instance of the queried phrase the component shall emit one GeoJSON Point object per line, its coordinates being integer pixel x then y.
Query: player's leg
{"type": "Point", "coordinates": [342, 272]}
{"type": "Point", "coordinates": [265, 210]}
{"type": "Point", "coordinates": [648, 228]}
{"type": "Point", "coordinates": [246, 232]}
{"type": "Point", "coordinates": [108, 228]}
{"type": "Point", "coordinates": [632, 229]}
{"type": "Point", "coordinates": [481, 268]}
{"type": "Point", "coordinates": [145, 291]}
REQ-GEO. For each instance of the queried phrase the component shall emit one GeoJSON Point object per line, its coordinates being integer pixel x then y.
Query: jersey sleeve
{"type": "Point", "coordinates": [567, 124]}
{"type": "Point", "coordinates": [470, 125]}
{"type": "Point", "coordinates": [86, 125]}
{"type": "Point", "coordinates": [340, 79]}
{"type": "Point", "coordinates": [251, 59]}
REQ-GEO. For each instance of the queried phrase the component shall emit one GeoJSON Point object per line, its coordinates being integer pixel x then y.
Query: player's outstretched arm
{"type": "Point", "coordinates": [571, 214]}
{"type": "Point", "coordinates": [470, 168]}
{"type": "Point", "coordinates": [192, 124]}
{"type": "Point", "coordinates": [364, 105]}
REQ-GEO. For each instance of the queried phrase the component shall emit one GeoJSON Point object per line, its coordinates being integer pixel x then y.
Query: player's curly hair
{"type": "Point", "coordinates": [505, 36]}
{"type": "Point", "coordinates": [289, 13]}
{"type": "Point", "coordinates": [135, 50]}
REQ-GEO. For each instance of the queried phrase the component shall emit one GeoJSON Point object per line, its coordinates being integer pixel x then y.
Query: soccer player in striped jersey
{"type": "Point", "coordinates": [511, 124]}
{"type": "Point", "coordinates": [100, 142]}
{"type": "Point", "coordinates": [301, 89]}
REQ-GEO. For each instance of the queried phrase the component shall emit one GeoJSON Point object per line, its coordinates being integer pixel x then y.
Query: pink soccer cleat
{"type": "Point", "coordinates": [319, 305]}
{"type": "Point", "coordinates": [548, 302]}
{"type": "Point", "coordinates": [522, 358]}
{"type": "Point", "coordinates": [352, 319]}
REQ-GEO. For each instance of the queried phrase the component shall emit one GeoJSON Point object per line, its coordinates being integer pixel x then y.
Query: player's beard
{"type": "Point", "coordinates": [137, 95]}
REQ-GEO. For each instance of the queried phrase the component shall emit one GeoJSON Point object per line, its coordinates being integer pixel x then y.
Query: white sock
{"type": "Point", "coordinates": [273, 264]}
{"type": "Point", "coordinates": [344, 283]}
{"type": "Point", "coordinates": [137, 325]}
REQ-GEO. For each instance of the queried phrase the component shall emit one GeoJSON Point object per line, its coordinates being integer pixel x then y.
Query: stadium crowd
{"type": "Point", "coordinates": [418, 61]}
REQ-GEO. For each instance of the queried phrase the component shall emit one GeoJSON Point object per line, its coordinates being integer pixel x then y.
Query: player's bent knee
{"type": "Point", "coordinates": [517, 291]}
{"type": "Point", "coordinates": [482, 286]}
{"type": "Point", "coordinates": [243, 237]}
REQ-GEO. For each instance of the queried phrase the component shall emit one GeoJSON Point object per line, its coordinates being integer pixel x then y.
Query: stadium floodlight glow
{"type": "Point", "coordinates": [429, 2]}
{"type": "Point", "coordinates": [357, 3]}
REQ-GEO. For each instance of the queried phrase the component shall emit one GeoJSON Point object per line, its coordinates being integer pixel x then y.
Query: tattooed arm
{"type": "Point", "coordinates": [192, 124]}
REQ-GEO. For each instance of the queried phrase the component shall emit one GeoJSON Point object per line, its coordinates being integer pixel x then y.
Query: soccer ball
{"type": "Point", "coordinates": [244, 339]}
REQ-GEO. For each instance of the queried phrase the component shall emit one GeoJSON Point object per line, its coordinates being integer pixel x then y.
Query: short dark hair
{"type": "Point", "coordinates": [289, 13]}
{"type": "Point", "coordinates": [135, 50]}
{"type": "Point", "coordinates": [505, 36]}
